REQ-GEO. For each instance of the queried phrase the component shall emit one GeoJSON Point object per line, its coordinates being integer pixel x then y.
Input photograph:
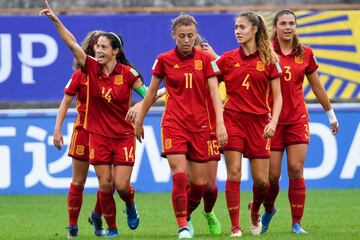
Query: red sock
{"type": "Point", "coordinates": [75, 197]}
{"type": "Point", "coordinates": [269, 201]}
{"type": "Point", "coordinates": [232, 193]}
{"type": "Point", "coordinates": [210, 196]}
{"type": "Point", "coordinates": [108, 208]}
{"type": "Point", "coordinates": [258, 197]}
{"type": "Point", "coordinates": [297, 195]}
{"type": "Point", "coordinates": [179, 198]}
{"type": "Point", "coordinates": [194, 195]}
{"type": "Point", "coordinates": [97, 208]}
{"type": "Point", "coordinates": [128, 196]}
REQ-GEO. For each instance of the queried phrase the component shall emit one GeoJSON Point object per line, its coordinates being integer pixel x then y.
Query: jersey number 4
{"type": "Point", "coordinates": [246, 82]}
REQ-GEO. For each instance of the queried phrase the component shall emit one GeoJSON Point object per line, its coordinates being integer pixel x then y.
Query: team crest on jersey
{"type": "Point", "coordinates": [92, 153]}
{"type": "Point", "coordinates": [260, 66]}
{"type": "Point", "coordinates": [119, 80]}
{"type": "Point", "coordinates": [79, 150]}
{"type": "Point", "coordinates": [299, 59]}
{"type": "Point", "coordinates": [168, 143]}
{"type": "Point", "coordinates": [198, 65]}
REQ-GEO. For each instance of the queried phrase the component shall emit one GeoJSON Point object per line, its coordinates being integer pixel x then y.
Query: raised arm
{"type": "Point", "coordinates": [149, 99]}
{"type": "Point", "coordinates": [221, 133]}
{"type": "Point", "coordinates": [58, 139]}
{"type": "Point", "coordinates": [65, 34]}
{"type": "Point", "coordinates": [321, 95]}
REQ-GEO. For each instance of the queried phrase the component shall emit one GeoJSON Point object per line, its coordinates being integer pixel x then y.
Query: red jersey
{"type": "Point", "coordinates": [77, 85]}
{"type": "Point", "coordinates": [108, 99]}
{"type": "Point", "coordinates": [186, 104]}
{"type": "Point", "coordinates": [294, 68]}
{"type": "Point", "coordinates": [246, 80]}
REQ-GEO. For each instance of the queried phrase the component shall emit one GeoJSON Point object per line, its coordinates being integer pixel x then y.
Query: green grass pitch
{"type": "Point", "coordinates": [329, 214]}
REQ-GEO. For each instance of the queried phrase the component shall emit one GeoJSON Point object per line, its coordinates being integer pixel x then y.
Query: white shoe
{"type": "Point", "coordinates": [236, 234]}
{"type": "Point", "coordinates": [255, 222]}
{"type": "Point", "coordinates": [184, 233]}
{"type": "Point", "coordinates": [191, 227]}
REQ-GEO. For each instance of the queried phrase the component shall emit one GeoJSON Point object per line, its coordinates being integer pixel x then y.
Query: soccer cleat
{"type": "Point", "coordinates": [213, 223]}
{"type": "Point", "coordinates": [255, 222]}
{"type": "Point", "coordinates": [236, 231]}
{"type": "Point", "coordinates": [184, 233]}
{"type": "Point", "coordinates": [112, 233]}
{"type": "Point", "coordinates": [96, 221]}
{"type": "Point", "coordinates": [266, 219]}
{"type": "Point", "coordinates": [190, 227]}
{"type": "Point", "coordinates": [132, 217]}
{"type": "Point", "coordinates": [297, 229]}
{"type": "Point", "coordinates": [72, 231]}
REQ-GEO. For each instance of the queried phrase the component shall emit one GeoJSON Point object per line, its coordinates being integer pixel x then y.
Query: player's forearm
{"type": "Point", "coordinates": [64, 106]}
{"type": "Point", "coordinates": [149, 99]}
{"type": "Point", "coordinates": [277, 99]}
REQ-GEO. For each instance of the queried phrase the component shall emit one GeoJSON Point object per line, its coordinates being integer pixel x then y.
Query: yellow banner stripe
{"type": "Point", "coordinates": [348, 91]}
{"type": "Point", "coordinates": [334, 88]}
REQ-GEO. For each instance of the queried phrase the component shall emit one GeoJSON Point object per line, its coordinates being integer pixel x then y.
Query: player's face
{"type": "Point", "coordinates": [285, 27]}
{"type": "Point", "coordinates": [244, 30]}
{"type": "Point", "coordinates": [104, 51]}
{"type": "Point", "coordinates": [184, 37]}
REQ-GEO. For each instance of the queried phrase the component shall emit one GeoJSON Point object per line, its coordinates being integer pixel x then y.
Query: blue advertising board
{"type": "Point", "coordinates": [34, 58]}
{"type": "Point", "coordinates": [30, 164]}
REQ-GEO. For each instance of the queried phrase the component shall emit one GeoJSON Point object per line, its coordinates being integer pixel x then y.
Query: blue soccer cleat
{"type": "Point", "coordinates": [112, 233]}
{"type": "Point", "coordinates": [72, 231]}
{"type": "Point", "coordinates": [96, 221]}
{"type": "Point", "coordinates": [266, 219]}
{"type": "Point", "coordinates": [297, 229]}
{"type": "Point", "coordinates": [184, 233]}
{"type": "Point", "coordinates": [132, 217]}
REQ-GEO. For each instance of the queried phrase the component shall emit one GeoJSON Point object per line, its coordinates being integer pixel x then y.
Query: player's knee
{"type": "Point", "coordinates": [122, 186]}
{"type": "Point", "coordinates": [234, 174]}
{"type": "Point", "coordinates": [296, 172]}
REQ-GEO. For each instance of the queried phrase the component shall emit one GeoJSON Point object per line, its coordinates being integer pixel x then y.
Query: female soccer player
{"type": "Point", "coordinates": [111, 140]}
{"type": "Point", "coordinates": [249, 73]}
{"type": "Point", "coordinates": [189, 73]}
{"type": "Point", "coordinates": [293, 133]}
{"type": "Point", "coordinates": [79, 145]}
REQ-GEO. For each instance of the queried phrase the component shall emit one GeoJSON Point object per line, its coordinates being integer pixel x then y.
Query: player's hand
{"type": "Point", "coordinates": [334, 128]}
{"type": "Point", "coordinates": [48, 12]}
{"type": "Point", "coordinates": [134, 112]}
{"type": "Point", "coordinates": [139, 132]}
{"type": "Point", "coordinates": [269, 130]}
{"type": "Point", "coordinates": [207, 48]}
{"type": "Point", "coordinates": [221, 134]}
{"type": "Point", "coordinates": [58, 139]}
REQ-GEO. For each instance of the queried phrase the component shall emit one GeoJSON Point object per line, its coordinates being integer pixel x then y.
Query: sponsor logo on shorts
{"type": "Point", "coordinates": [80, 150]}
{"type": "Point", "coordinates": [92, 153]}
{"type": "Point", "coordinates": [168, 143]}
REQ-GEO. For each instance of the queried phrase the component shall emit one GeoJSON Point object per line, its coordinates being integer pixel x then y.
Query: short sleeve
{"type": "Point", "coordinates": [73, 84]}
{"type": "Point", "coordinates": [91, 64]}
{"type": "Point", "coordinates": [220, 63]}
{"type": "Point", "coordinates": [313, 64]}
{"type": "Point", "coordinates": [275, 71]}
{"type": "Point", "coordinates": [158, 67]}
{"type": "Point", "coordinates": [211, 68]}
{"type": "Point", "coordinates": [133, 76]}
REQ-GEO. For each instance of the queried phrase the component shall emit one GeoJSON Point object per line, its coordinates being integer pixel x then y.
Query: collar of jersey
{"type": "Point", "coordinates": [243, 55]}
{"type": "Point", "coordinates": [183, 57]}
